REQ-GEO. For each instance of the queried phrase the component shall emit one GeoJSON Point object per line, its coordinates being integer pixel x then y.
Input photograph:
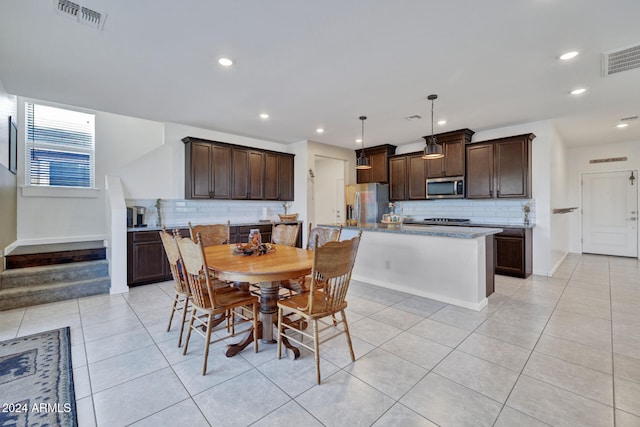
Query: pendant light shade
{"type": "Point", "coordinates": [433, 150]}
{"type": "Point", "coordinates": [362, 163]}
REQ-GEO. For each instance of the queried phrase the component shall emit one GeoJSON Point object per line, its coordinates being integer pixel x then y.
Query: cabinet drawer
{"type": "Point", "coordinates": [512, 232]}
{"type": "Point", "coordinates": [145, 236]}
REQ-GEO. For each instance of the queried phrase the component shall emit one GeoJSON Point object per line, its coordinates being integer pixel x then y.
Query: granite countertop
{"type": "Point", "coordinates": [233, 224]}
{"type": "Point", "coordinates": [469, 224]}
{"type": "Point", "coordinates": [459, 232]}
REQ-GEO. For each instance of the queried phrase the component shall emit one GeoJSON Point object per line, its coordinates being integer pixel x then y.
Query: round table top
{"type": "Point", "coordinates": [284, 263]}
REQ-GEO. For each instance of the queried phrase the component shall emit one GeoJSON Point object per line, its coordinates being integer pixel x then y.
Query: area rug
{"type": "Point", "coordinates": [36, 380]}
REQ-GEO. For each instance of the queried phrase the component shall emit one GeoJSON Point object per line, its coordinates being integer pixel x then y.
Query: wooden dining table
{"type": "Point", "coordinates": [266, 271]}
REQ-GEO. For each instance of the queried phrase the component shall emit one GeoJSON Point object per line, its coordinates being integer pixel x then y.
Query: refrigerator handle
{"type": "Point", "coordinates": [357, 207]}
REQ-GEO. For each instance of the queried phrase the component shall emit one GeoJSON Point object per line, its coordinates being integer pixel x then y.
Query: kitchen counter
{"type": "Point", "coordinates": [469, 224]}
{"type": "Point", "coordinates": [458, 232]}
{"type": "Point", "coordinates": [451, 264]}
{"type": "Point", "coordinates": [186, 226]}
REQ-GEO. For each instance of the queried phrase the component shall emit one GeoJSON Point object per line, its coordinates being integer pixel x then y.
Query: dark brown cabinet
{"type": "Point", "coordinates": [209, 169]}
{"type": "Point", "coordinates": [147, 261]}
{"type": "Point", "coordinates": [452, 164]}
{"type": "Point", "coordinates": [248, 174]}
{"type": "Point", "coordinates": [217, 170]}
{"type": "Point", "coordinates": [278, 183]}
{"type": "Point", "coordinates": [513, 252]}
{"type": "Point", "coordinates": [407, 177]}
{"type": "Point", "coordinates": [499, 168]}
{"type": "Point", "coordinates": [378, 159]}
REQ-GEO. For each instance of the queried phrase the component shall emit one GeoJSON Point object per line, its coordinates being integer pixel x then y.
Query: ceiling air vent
{"type": "Point", "coordinates": [620, 60]}
{"type": "Point", "coordinates": [80, 14]}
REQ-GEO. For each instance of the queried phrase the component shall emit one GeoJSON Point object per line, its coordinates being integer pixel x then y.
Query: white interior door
{"type": "Point", "coordinates": [610, 213]}
{"type": "Point", "coordinates": [340, 201]}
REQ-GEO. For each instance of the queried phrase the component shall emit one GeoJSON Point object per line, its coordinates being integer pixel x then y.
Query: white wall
{"type": "Point", "coordinates": [579, 164]}
{"type": "Point", "coordinates": [147, 156]}
{"type": "Point", "coordinates": [328, 173]}
{"type": "Point", "coordinates": [559, 188]}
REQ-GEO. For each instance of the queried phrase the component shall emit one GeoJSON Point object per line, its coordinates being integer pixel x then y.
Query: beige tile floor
{"type": "Point", "coordinates": [562, 351]}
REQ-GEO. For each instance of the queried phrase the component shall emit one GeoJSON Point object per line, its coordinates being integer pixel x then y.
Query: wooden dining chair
{"type": "Point", "coordinates": [332, 266]}
{"type": "Point", "coordinates": [182, 295]}
{"type": "Point", "coordinates": [211, 234]}
{"type": "Point", "coordinates": [285, 234]}
{"type": "Point", "coordinates": [324, 235]}
{"type": "Point", "coordinates": [212, 305]}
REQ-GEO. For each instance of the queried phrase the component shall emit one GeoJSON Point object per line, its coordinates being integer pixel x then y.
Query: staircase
{"type": "Point", "coordinates": [48, 273]}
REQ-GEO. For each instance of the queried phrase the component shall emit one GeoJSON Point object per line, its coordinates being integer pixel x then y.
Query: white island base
{"type": "Point", "coordinates": [450, 270]}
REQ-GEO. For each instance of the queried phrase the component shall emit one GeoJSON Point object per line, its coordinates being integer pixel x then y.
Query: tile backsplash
{"type": "Point", "coordinates": [179, 212]}
{"type": "Point", "coordinates": [506, 212]}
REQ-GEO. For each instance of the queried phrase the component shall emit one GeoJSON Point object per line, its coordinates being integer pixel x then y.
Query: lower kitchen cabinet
{"type": "Point", "coordinates": [147, 261]}
{"type": "Point", "coordinates": [513, 252]}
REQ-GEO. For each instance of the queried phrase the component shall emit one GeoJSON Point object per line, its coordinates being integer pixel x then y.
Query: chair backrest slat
{"type": "Point", "coordinates": [332, 266]}
{"type": "Point", "coordinates": [175, 261]}
{"type": "Point", "coordinates": [211, 234]}
{"type": "Point", "coordinates": [324, 235]}
{"type": "Point", "coordinates": [285, 234]}
{"type": "Point", "coordinates": [196, 271]}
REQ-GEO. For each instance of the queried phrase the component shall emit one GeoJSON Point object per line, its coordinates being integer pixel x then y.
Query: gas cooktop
{"type": "Point", "coordinates": [459, 220]}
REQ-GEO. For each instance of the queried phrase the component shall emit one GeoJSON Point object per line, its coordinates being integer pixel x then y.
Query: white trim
{"type": "Point", "coordinates": [53, 240]}
{"type": "Point", "coordinates": [49, 191]}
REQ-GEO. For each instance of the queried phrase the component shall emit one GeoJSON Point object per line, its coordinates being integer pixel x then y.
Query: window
{"type": "Point", "coordinates": [60, 147]}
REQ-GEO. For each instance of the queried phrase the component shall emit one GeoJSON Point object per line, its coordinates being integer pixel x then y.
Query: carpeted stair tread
{"type": "Point", "coordinates": [29, 295]}
{"type": "Point", "coordinates": [53, 274]}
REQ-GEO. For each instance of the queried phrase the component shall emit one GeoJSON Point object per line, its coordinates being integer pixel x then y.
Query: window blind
{"type": "Point", "coordinates": [60, 147]}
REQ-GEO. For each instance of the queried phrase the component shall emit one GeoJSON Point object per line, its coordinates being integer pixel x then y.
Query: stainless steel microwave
{"type": "Point", "coordinates": [445, 188]}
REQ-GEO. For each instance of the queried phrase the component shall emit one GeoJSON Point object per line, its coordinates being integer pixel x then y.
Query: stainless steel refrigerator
{"type": "Point", "coordinates": [366, 203]}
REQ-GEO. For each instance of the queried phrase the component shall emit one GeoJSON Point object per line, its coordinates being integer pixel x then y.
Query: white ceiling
{"type": "Point", "coordinates": [314, 64]}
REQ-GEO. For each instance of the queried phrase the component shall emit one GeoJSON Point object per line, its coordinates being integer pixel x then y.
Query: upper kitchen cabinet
{"type": "Point", "coordinates": [278, 183]}
{"type": "Point", "coordinates": [407, 177]}
{"type": "Point", "coordinates": [379, 161]}
{"type": "Point", "coordinates": [207, 170]}
{"type": "Point", "coordinates": [248, 174]}
{"type": "Point", "coordinates": [500, 168]}
{"type": "Point", "coordinates": [217, 170]}
{"type": "Point", "coordinates": [452, 164]}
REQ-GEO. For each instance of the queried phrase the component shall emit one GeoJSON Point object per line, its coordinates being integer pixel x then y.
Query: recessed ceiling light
{"type": "Point", "coordinates": [622, 125]}
{"type": "Point", "coordinates": [225, 62]}
{"type": "Point", "coordinates": [358, 141]}
{"type": "Point", "coordinates": [319, 130]}
{"type": "Point", "coordinates": [569, 55]}
{"type": "Point", "coordinates": [579, 91]}
{"type": "Point", "coordinates": [442, 122]}
{"type": "Point", "coordinates": [264, 116]}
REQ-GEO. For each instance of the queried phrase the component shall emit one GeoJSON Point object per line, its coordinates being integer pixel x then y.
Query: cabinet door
{"type": "Point", "coordinates": [220, 172]}
{"type": "Point", "coordinates": [479, 176]}
{"type": "Point", "coordinates": [397, 177]}
{"type": "Point", "coordinates": [512, 169]}
{"type": "Point", "coordinates": [285, 178]}
{"type": "Point", "coordinates": [363, 176]}
{"type": "Point", "coordinates": [454, 158]}
{"type": "Point", "coordinates": [271, 161]}
{"type": "Point", "coordinates": [256, 175]}
{"type": "Point", "coordinates": [240, 181]}
{"type": "Point", "coordinates": [199, 177]}
{"type": "Point", "coordinates": [378, 162]}
{"type": "Point", "coordinates": [509, 255]}
{"type": "Point", "coordinates": [147, 261]}
{"type": "Point", "coordinates": [435, 167]}
{"type": "Point", "coordinates": [416, 177]}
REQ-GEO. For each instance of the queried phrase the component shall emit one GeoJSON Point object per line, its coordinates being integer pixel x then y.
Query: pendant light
{"type": "Point", "coordinates": [362, 163]}
{"type": "Point", "coordinates": [433, 150]}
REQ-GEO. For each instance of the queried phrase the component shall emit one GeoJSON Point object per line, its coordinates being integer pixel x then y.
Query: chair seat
{"type": "Point", "coordinates": [231, 297]}
{"type": "Point", "coordinates": [298, 303]}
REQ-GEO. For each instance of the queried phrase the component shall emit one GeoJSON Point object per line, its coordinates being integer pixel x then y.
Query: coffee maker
{"type": "Point", "coordinates": [135, 216]}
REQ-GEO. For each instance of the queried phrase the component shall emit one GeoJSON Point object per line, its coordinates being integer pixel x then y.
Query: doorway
{"type": "Point", "coordinates": [328, 190]}
{"type": "Point", "coordinates": [610, 213]}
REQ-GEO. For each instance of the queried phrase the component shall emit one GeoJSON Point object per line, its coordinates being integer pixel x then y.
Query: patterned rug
{"type": "Point", "coordinates": [36, 380]}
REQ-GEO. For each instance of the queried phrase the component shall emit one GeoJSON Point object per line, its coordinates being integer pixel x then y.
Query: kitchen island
{"type": "Point", "coordinates": [451, 264]}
